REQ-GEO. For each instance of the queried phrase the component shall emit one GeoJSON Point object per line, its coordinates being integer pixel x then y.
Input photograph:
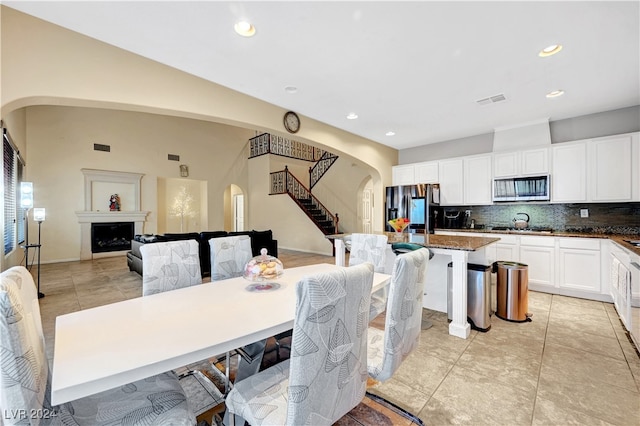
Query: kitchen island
{"type": "Point", "coordinates": [459, 249]}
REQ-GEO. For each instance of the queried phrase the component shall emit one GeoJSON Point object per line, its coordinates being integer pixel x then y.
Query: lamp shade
{"type": "Point", "coordinates": [39, 214]}
{"type": "Point", "coordinates": [26, 195]}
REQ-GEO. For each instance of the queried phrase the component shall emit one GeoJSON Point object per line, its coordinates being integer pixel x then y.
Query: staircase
{"type": "Point", "coordinates": [283, 182]}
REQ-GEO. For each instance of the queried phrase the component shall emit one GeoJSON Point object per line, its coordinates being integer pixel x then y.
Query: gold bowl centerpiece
{"type": "Point", "coordinates": [399, 225]}
{"type": "Point", "coordinates": [262, 270]}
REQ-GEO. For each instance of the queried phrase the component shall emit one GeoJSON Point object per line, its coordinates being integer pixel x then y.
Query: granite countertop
{"type": "Point", "coordinates": [448, 242]}
{"type": "Point", "coordinates": [619, 239]}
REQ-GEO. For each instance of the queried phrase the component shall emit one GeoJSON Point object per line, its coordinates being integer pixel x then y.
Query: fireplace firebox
{"type": "Point", "coordinates": [111, 236]}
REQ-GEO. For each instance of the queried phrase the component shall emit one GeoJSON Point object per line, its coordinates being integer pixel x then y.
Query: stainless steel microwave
{"type": "Point", "coordinates": [529, 188]}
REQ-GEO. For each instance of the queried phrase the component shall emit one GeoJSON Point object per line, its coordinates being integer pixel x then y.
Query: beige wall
{"type": "Point", "coordinates": [43, 65]}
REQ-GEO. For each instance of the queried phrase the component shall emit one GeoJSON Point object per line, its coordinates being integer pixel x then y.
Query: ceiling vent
{"type": "Point", "coordinates": [492, 99]}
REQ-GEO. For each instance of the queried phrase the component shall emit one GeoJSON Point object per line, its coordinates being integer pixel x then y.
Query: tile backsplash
{"type": "Point", "coordinates": [604, 218]}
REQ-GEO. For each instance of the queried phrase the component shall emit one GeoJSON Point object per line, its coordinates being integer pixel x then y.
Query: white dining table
{"type": "Point", "coordinates": [108, 346]}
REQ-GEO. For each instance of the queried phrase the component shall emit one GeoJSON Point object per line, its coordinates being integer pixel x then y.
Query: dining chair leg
{"type": "Point", "coordinates": [227, 368]}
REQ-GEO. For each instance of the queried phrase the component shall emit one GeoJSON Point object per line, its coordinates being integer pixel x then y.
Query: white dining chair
{"type": "Point", "coordinates": [326, 376]}
{"type": "Point", "coordinates": [170, 265]}
{"type": "Point", "coordinates": [25, 379]}
{"type": "Point", "coordinates": [401, 335]}
{"type": "Point", "coordinates": [229, 255]}
{"type": "Point", "coordinates": [371, 248]}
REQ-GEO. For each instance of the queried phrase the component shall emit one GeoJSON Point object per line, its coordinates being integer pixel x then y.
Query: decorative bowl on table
{"type": "Point", "coordinates": [262, 270]}
{"type": "Point", "coordinates": [399, 225]}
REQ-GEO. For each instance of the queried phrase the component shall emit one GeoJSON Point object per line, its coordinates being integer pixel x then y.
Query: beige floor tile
{"type": "Point", "coordinates": [466, 397]}
{"type": "Point", "coordinates": [515, 362]}
{"type": "Point", "coordinates": [550, 413]}
{"type": "Point", "coordinates": [423, 372]}
{"type": "Point", "coordinates": [534, 329]}
{"type": "Point", "coordinates": [613, 404]}
{"type": "Point", "coordinates": [591, 369]}
{"type": "Point", "coordinates": [539, 301]}
{"type": "Point", "coordinates": [437, 342]}
{"type": "Point", "coordinates": [582, 323]}
{"type": "Point", "coordinates": [584, 340]}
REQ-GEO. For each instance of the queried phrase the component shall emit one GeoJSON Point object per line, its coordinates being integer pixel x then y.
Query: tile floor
{"type": "Point", "coordinates": [573, 364]}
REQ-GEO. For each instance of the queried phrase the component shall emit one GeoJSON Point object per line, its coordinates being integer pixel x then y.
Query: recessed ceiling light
{"type": "Point", "coordinates": [390, 133]}
{"type": "Point", "coordinates": [352, 116]}
{"type": "Point", "coordinates": [291, 89]}
{"type": "Point", "coordinates": [550, 50]}
{"type": "Point", "coordinates": [555, 93]}
{"type": "Point", "coordinates": [244, 28]}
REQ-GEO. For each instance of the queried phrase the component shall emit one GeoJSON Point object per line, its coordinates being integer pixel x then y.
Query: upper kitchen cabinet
{"type": "Point", "coordinates": [403, 175]}
{"type": "Point", "coordinates": [451, 174]}
{"type": "Point", "coordinates": [569, 172]}
{"type": "Point", "coordinates": [529, 162]}
{"type": "Point", "coordinates": [426, 172]}
{"type": "Point", "coordinates": [415, 173]}
{"type": "Point", "coordinates": [613, 168]}
{"type": "Point", "coordinates": [477, 180]}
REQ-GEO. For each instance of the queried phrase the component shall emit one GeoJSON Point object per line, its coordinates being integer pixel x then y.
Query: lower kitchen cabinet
{"type": "Point", "coordinates": [579, 264]}
{"type": "Point", "coordinates": [539, 254]}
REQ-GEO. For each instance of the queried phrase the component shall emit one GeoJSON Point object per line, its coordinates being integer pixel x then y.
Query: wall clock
{"type": "Point", "coordinates": [291, 122]}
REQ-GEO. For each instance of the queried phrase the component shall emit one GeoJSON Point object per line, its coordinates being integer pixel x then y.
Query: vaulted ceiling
{"type": "Point", "coordinates": [427, 71]}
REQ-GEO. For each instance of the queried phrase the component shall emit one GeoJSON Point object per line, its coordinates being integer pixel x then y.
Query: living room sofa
{"type": "Point", "coordinates": [259, 240]}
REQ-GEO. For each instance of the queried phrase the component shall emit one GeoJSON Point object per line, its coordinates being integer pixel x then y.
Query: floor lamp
{"type": "Point", "coordinates": [38, 216]}
{"type": "Point", "coordinates": [26, 202]}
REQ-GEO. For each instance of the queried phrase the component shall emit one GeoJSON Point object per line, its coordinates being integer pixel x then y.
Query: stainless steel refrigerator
{"type": "Point", "coordinates": [419, 203]}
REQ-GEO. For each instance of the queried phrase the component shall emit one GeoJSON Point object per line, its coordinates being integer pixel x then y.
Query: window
{"type": "Point", "coordinates": [14, 224]}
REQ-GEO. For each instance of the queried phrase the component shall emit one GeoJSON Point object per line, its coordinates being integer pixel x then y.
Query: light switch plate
{"type": "Point", "coordinates": [584, 212]}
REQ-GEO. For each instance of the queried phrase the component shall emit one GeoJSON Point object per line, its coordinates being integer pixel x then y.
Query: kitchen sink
{"type": "Point", "coordinates": [532, 229]}
{"type": "Point", "coordinates": [633, 242]}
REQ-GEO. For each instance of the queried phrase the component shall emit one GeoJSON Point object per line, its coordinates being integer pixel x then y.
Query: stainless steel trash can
{"type": "Point", "coordinates": [478, 295]}
{"type": "Point", "coordinates": [512, 291]}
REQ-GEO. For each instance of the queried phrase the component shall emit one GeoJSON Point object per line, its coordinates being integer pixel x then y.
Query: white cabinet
{"type": "Point", "coordinates": [477, 180]}
{"type": "Point", "coordinates": [506, 249]}
{"type": "Point", "coordinates": [539, 254]}
{"type": "Point", "coordinates": [403, 175]}
{"type": "Point", "coordinates": [521, 163]}
{"type": "Point", "coordinates": [426, 172]}
{"type": "Point", "coordinates": [579, 264]}
{"type": "Point", "coordinates": [611, 167]}
{"type": "Point", "coordinates": [451, 174]}
{"type": "Point", "coordinates": [569, 172]}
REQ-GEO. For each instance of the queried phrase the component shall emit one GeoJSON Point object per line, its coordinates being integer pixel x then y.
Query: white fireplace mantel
{"type": "Point", "coordinates": [89, 215]}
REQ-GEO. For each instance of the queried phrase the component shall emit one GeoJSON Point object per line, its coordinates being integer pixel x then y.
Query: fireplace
{"type": "Point", "coordinates": [113, 236]}
{"type": "Point", "coordinates": [98, 185]}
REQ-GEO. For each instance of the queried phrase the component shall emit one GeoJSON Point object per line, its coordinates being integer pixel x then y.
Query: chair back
{"type": "Point", "coordinates": [403, 315]}
{"type": "Point", "coordinates": [368, 248]}
{"type": "Point", "coordinates": [24, 369]}
{"type": "Point", "coordinates": [328, 372]}
{"type": "Point", "coordinates": [170, 265]}
{"type": "Point", "coordinates": [229, 255]}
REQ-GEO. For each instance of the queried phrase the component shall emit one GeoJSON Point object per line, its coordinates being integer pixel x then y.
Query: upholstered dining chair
{"type": "Point", "coordinates": [371, 248]}
{"type": "Point", "coordinates": [325, 377]}
{"type": "Point", "coordinates": [229, 255]}
{"type": "Point", "coordinates": [25, 379]}
{"type": "Point", "coordinates": [387, 349]}
{"type": "Point", "coordinates": [170, 265]}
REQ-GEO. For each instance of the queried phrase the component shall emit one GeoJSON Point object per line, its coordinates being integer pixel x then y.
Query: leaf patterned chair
{"type": "Point", "coordinates": [326, 376]}
{"type": "Point", "coordinates": [387, 349]}
{"type": "Point", "coordinates": [229, 255]}
{"type": "Point", "coordinates": [371, 248]}
{"type": "Point", "coordinates": [170, 265]}
{"type": "Point", "coordinates": [25, 380]}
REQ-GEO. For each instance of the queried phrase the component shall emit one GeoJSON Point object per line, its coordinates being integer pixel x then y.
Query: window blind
{"type": "Point", "coordinates": [9, 169]}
